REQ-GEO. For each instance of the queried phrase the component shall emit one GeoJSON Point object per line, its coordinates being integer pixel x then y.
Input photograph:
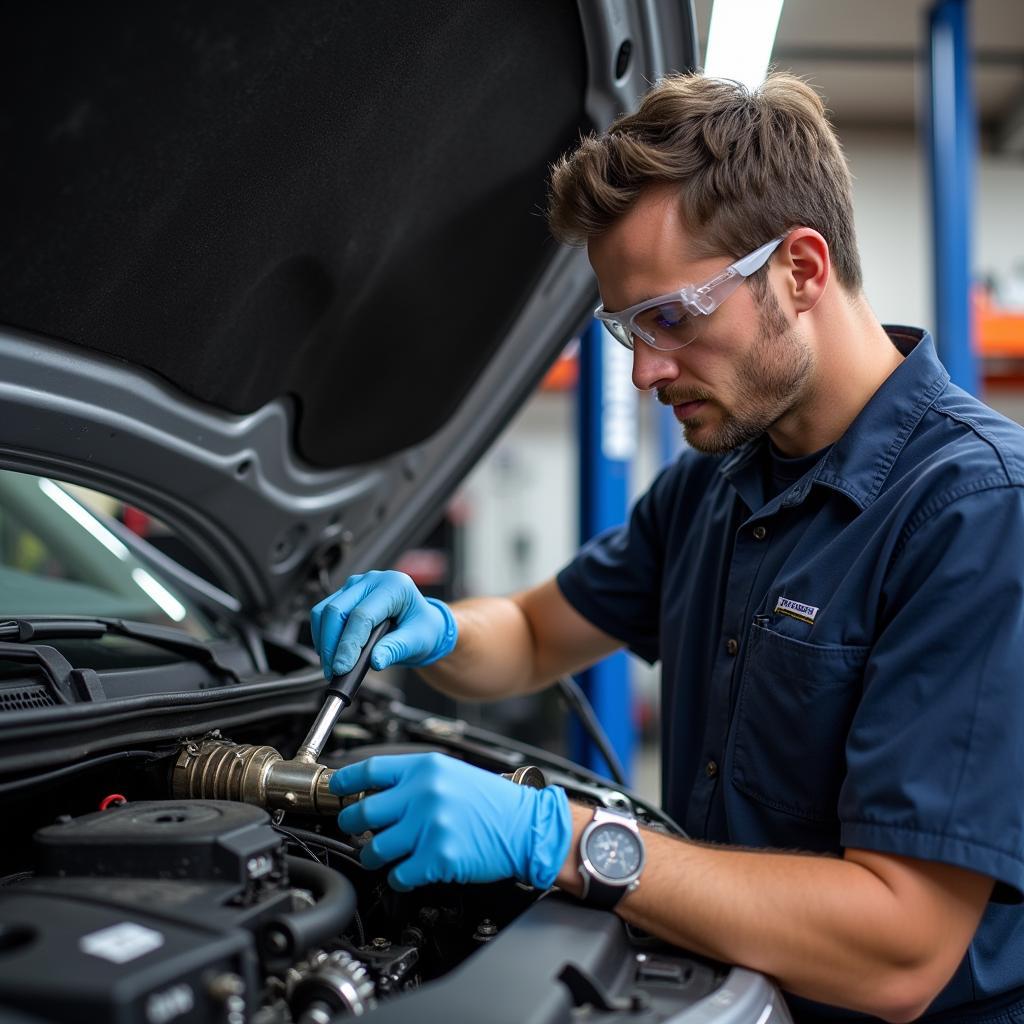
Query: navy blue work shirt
{"type": "Point", "coordinates": [843, 662]}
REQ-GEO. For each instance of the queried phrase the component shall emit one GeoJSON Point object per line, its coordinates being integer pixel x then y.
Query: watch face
{"type": "Point", "coordinates": [614, 850]}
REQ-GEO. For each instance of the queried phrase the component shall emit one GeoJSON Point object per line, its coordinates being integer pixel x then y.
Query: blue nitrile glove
{"type": "Point", "coordinates": [341, 624]}
{"type": "Point", "coordinates": [447, 821]}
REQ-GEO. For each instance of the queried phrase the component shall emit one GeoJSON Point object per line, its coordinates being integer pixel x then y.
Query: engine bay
{"type": "Point", "coordinates": [130, 895]}
{"type": "Point", "coordinates": [175, 857]}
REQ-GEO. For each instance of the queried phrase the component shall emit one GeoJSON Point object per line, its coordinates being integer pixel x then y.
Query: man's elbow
{"type": "Point", "coordinates": [906, 994]}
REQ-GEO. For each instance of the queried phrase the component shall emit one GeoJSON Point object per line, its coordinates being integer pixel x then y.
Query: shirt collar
{"type": "Point", "coordinates": [858, 464]}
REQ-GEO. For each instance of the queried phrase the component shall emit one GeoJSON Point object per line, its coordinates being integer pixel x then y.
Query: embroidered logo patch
{"type": "Point", "coordinates": [796, 610]}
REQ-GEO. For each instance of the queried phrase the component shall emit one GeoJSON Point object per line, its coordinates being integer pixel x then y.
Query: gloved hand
{"type": "Point", "coordinates": [425, 627]}
{"type": "Point", "coordinates": [447, 821]}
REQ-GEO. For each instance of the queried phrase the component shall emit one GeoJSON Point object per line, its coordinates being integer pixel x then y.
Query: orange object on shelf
{"type": "Point", "coordinates": [998, 333]}
{"type": "Point", "coordinates": [563, 374]}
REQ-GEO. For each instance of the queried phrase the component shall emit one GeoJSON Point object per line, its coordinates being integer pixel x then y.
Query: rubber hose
{"type": "Point", "coordinates": [288, 936]}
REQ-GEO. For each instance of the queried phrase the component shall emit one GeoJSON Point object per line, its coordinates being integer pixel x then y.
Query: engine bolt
{"type": "Point", "coordinates": [223, 986]}
{"type": "Point", "coordinates": [380, 943]}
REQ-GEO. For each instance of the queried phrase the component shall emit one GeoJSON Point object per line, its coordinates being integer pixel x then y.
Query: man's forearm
{"type": "Point", "coordinates": [494, 654]}
{"type": "Point", "coordinates": [827, 929]}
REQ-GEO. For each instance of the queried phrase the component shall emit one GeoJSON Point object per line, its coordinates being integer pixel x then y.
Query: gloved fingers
{"type": "Point", "coordinates": [377, 604]}
{"type": "Point", "coordinates": [396, 647]}
{"type": "Point", "coordinates": [413, 872]}
{"type": "Point", "coordinates": [334, 614]}
{"type": "Point", "coordinates": [380, 772]}
{"type": "Point", "coordinates": [315, 615]}
{"type": "Point", "coordinates": [395, 882]}
{"type": "Point", "coordinates": [390, 845]}
{"type": "Point", "coordinates": [317, 611]}
{"type": "Point", "coordinates": [374, 812]}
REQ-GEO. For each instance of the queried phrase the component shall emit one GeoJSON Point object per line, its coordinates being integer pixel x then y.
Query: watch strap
{"type": "Point", "coordinates": [600, 894]}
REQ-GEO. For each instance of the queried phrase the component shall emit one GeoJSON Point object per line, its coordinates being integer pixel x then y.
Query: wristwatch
{"type": "Point", "coordinates": [611, 858]}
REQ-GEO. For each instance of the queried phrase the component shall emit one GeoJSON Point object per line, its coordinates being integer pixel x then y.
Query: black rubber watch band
{"type": "Point", "coordinates": [600, 894]}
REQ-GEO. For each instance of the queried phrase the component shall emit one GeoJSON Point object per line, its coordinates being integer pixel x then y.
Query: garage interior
{"type": "Point", "coordinates": [275, 404]}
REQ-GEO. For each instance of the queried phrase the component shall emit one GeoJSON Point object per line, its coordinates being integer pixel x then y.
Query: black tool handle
{"type": "Point", "coordinates": [346, 686]}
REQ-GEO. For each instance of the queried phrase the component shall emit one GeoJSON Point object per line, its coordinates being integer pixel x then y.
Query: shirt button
{"type": "Point", "coordinates": [711, 769]}
{"type": "Point", "coordinates": [760, 533]}
{"type": "Point", "coordinates": [732, 646]}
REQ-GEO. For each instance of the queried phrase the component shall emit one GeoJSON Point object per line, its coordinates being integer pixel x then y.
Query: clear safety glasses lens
{"type": "Point", "coordinates": [619, 333]}
{"type": "Point", "coordinates": [666, 326]}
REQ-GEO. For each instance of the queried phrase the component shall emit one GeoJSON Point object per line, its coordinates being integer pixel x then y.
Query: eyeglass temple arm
{"type": "Point", "coordinates": [757, 259]}
{"type": "Point", "coordinates": [718, 289]}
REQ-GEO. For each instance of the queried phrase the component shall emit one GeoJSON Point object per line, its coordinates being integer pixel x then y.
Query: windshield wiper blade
{"type": "Point", "coordinates": [25, 630]}
{"type": "Point", "coordinates": [39, 629]}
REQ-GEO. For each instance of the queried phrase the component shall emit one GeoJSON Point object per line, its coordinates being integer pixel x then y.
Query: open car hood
{"type": "Point", "coordinates": [279, 275]}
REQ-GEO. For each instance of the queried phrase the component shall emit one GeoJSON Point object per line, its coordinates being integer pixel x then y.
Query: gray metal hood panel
{"type": "Point", "coordinates": [275, 529]}
{"type": "Point", "coordinates": [265, 523]}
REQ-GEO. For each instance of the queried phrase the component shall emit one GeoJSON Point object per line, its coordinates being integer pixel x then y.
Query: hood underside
{"type": "Point", "coordinates": [278, 275]}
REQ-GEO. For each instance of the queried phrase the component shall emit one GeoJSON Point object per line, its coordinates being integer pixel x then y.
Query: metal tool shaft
{"type": "Point", "coordinates": [312, 746]}
{"type": "Point", "coordinates": [340, 691]}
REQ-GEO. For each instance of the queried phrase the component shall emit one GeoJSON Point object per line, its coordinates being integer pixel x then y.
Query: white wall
{"type": "Point", "coordinates": [892, 212]}
{"type": "Point", "coordinates": [521, 500]}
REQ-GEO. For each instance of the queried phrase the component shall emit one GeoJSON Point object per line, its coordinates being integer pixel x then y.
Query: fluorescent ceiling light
{"type": "Point", "coordinates": [740, 40]}
{"type": "Point", "coordinates": [83, 517]}
{"type": "Point", "coordinates": [159, 594]}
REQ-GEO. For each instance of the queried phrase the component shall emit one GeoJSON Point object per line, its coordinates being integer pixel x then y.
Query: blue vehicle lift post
{"type": "Point", "coordinates": [952, 144]}
{"type": "Point", "coordinates": [607, 440]}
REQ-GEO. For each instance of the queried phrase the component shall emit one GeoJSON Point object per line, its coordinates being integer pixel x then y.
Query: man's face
{"type": "Point", "coordinates": [748, 367]}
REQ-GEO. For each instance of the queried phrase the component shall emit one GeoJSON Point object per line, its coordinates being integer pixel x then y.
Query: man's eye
{"type": "Point", "coordinates": [670, 317]}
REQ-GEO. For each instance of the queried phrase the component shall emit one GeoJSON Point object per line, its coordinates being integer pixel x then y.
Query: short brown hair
{"type": "Point", "coordinates": [749, 165]}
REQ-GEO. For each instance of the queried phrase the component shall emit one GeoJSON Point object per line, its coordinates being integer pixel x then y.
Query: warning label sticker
{"type": "Point", "coordinates": [121, 943]}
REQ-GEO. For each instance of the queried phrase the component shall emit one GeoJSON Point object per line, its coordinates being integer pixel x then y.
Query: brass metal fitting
{"type": "Point", "coordinates": [219, 770]}
{"type": "Point", "coordinates": [216, 769]}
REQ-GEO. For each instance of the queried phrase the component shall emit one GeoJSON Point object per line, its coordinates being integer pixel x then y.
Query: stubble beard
{"type": "Point", "coordinates": [771, 379]}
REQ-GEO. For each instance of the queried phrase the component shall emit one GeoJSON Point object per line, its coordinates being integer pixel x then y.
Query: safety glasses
{"type": "Point", "coordinates": [671, 321]}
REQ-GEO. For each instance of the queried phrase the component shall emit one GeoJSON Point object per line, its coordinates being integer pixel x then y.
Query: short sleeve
{"type": "Point", "coordinates": [935, 753]}
{"type": "Point", "coordinates": [615, 580]}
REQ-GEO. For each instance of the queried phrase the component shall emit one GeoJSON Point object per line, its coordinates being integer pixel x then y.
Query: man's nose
{"type": "Point", "coordinates": [652, 368]}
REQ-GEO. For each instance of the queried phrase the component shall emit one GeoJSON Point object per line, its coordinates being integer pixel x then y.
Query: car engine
{"type": "Point", "coordinates": [205, 880]}
{"type": "Point", "coordinates": [210, 909]}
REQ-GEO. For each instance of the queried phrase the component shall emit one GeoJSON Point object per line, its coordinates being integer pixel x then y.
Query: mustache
{"type": "Point", "coordinates": [669, 396]}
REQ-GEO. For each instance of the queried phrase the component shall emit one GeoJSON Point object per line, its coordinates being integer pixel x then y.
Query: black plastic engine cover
{"type": "Point", "coordinates": [71, 960]}
{"type": "Point", "coordinates": [198, 840]}
{"type": "Point", "coordinates": [144, 913]}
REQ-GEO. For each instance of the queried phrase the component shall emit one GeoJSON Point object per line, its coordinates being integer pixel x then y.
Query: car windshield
{"type": "Point", "coordinates": [62, 553]}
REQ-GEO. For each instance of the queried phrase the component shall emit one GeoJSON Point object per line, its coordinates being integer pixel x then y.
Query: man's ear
{"type": "Point", "coordinates": [804, 258]}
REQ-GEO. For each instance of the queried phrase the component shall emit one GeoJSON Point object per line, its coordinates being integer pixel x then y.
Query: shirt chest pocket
{"type": "Point", "coordinates": [794, 708]}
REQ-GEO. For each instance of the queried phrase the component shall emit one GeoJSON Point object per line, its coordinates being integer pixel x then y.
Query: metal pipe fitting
{"type": "Point", "coordinates": [220, 770]}
{"type": "Point", "coordinates": [215, 769]}
{"type": "Point", "coordinates": [528, 775]}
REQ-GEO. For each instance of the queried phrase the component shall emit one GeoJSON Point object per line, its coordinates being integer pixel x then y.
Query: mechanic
{"type": "Point", "coordinates": [832, 576]}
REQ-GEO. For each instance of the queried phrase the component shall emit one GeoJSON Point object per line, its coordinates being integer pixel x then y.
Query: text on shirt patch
{"type": "Point", "coordinates": [796, 610]}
